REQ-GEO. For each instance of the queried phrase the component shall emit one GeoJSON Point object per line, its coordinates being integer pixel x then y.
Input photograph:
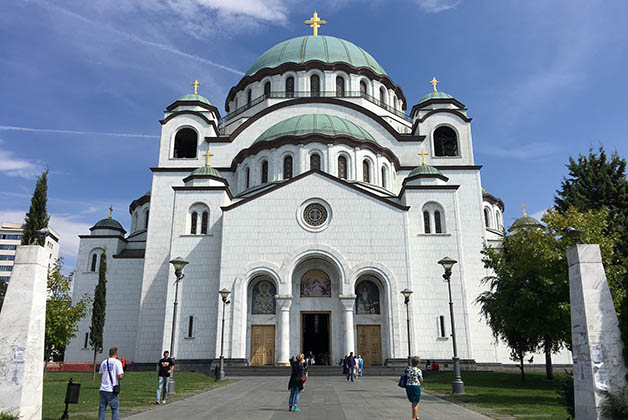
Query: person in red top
{"type": "Point", "coordinates": [435, 366]}
{"type": "Point", "coordinates": [123, 361]}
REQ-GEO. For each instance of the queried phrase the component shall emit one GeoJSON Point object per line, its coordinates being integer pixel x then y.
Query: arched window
{"type": "Point", "coordinates": [362, 87]}
{"type": "Point", "coordinates": [248, 97]}
{"type": "Point", "coordinates": [193, 223]}
{"type": "Point", "coordinates": [287, 167]}
{"type": "Point", "coordinates": [394, 103]}
{"type": "Point", "coordinates": [445, 142]}
{"type": "Point", "coordinates": [264, 172]}
{"type": "Point", "coordinates": [227, 108]}
{"type": "Point", "coordinates": [487, 218]}
{"type": "Point", "coordinates": [94, 261]}
{"type": "Point", "coordinates": [382, 95]}
{"type": "Point", "coordinates": [438, 228]}
{"type": "Point", "coordinates": [315, 85]}
{"type": "Point", "coordinates": [340, 86]}
{"type": "Point", "coordinates": [185, 143]}
{"type": "Point", "coordinates": [342, 167]}
{"type": "Point", "coordinates": [315, 161]}
{"type": "Point", "coordinates": [366, 171]}
{"type": "Point", "coordinates": [190, 326]}
{"type": "Point", "coordinates": [146, 219]}
{"type": "Point", "coordinates": [426, 221]}
{"type": "Point", "coordinates": [290, 87]}
{"type": "Point", "coordinates": [247, 174]}
{"type": "Point", "coordinates": [135, 225]}
{"type": "Point", "coordinates": [498, 219]}
{"type": "Point", "coordinates": [367, 298]}
{"type": "Point", "coordinates": [384, 176]}
{"type": "Point", "coordinates": [204, 222]}
{"type": "Point", "coordinates": [263, 297]}
{"type": "Point", "coordinates": [267, 89]}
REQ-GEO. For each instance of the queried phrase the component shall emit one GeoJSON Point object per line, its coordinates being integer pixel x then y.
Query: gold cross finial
{"type": "Point", "coordinates": [423, 154]}
{"type": "Point", "coordinates": [523, 207]}
{"type": "Point", "coordinates": [110, 211]}
{"type": "Point", "coordinates": [315, 23]}
{"type": "Point", "coordinates": [434, 82]}
{"type": "Point", "coordinates": [207, 156]}
{"type": "Point", "coordinates": [196, 84]}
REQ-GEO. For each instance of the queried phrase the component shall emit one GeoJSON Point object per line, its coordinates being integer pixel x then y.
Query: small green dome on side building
{"type": "Point", "coordinates": [525, 222]}
{"type": "Point", "coordinates": [191, 97]}
{"type": "Point", "coordinates": [435, 95]}
{"type": "Point", "coordinates": [425, 170]}
{"type": "Point", "coordinates": [108, 223]}
{"type": "Point", "coordinates": [206, 171]}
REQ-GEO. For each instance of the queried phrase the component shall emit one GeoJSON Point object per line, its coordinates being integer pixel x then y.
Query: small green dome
{"type": "Point", "coordinates": [425, 170]}
{"type": "Point", "coordinates": [435, 95]}
{"type": "Point", "coordinates": [525, 222]}
{"type": "Point", "coordinates": [327, 49]}
{"type": "Point", "coordinates": [302, 125]}
{"type": "Point", "coordinates": [192, 97]}
{"type": "Point", "coordinates": [108, 223]}
{"type": "Point", "coordinates": [203, 171]}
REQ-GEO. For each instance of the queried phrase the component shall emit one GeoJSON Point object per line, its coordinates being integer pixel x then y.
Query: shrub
{"type": "Point", "coordinates": [616, 405]}
{"type": "Point", "coordinates": [564, 387]}
{"type": "Point", "coordinates": [8, 416]}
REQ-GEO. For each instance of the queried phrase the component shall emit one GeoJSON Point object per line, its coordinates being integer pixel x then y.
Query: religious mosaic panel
{"type": "Point", "coordinates": [315, 283]}
{"type": "Point", "coordinates": [263, 298]}
{"type": "Point", "coordinates": [367, 298]}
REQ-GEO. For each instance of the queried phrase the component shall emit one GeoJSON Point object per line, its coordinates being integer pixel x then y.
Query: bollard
{"type": "Point", "coordinates": [71, 397]}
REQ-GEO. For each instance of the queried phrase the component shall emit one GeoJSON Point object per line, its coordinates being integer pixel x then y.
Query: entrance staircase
{"type": "Point", "coordinates": [314, 371]}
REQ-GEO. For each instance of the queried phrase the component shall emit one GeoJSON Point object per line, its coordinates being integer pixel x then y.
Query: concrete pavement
{"type": "Point", "coordinates": [266, 398]}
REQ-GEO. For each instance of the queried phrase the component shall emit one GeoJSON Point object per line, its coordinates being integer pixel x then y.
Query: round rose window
{"type": "Point", "coordinates": [315, 214]}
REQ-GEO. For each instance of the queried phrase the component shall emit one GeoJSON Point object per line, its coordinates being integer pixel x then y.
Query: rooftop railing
{"type": "Point", "coordinates": [309, 94]}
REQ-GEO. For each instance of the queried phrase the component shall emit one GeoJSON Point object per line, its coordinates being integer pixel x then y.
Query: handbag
{"type": "Point", "coordinates": [403, 380]}
{"type": "Point", "coordinates": [116, 388]}
{"type": "Point", "coordinates": [303, 378]}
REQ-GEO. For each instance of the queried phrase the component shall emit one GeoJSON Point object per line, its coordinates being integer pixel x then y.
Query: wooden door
{"type": "Point", "coordinates": [370, 344]}
{"type": "Point", "coordinates": [262, 345]}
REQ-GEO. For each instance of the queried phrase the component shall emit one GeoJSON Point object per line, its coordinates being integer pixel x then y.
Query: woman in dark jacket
{"type": "Point", "coordinates": [295, 385]}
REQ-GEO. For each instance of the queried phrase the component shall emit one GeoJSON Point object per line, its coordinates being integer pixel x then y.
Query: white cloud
{"type": "Point", "coordinates": [436, 6]}
{"type": "Point", "coordinates": [12, 165]}
{"type": "Point", "coordinates": [95, 133]}
{"type": "Point", "coordinates": [538, 214]}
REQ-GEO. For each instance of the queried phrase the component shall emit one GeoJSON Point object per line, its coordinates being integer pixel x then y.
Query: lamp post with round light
{"type": "Point", "coordinates": [178, 264]}
{"type": "Point", "coordinates": [457, 386]}
{"type": "Point", "coordinates": [224, 294]}
{"type": "Point", "coordinates": [406, 295]}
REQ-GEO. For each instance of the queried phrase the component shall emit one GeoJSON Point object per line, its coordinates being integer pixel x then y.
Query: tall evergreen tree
{"type": "Point", "coordinates": [98, 311]}
{"type": "Point", "coordinates": [37, 217]}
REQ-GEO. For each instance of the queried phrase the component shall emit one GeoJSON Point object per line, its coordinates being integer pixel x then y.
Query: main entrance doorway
{"type": "Point", "coordinates": [370, 344]}
{"type": "Point", "coordinates": [316, 336]}
{"type": "Point", "coordinates": [262, 345]}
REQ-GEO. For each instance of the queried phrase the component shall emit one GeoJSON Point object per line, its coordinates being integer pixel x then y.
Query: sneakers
{"type": "Point", "coordinates": [163, 402]}
{"type": "Point", "coordinates": [156, 402]}
{"type": "Point", "coordinates": [290, 408]}
{"type": "Point", "coordinates": [297, 409]}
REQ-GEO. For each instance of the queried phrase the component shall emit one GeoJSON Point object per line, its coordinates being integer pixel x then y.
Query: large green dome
{"type": "Point", "coordinates": [327, 49]}
{"type": "Point", "coordinates": [303, 125]}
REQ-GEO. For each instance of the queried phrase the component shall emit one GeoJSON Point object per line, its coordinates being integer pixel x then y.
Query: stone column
{"type": "Point", "coordinates": [348, 302]}
{"type": "Point", "coordinates": [283, 355]}
{"type": "Point", "coordinates": [22, 331]}
{"type": "Point", "coordinates": [595, 335]}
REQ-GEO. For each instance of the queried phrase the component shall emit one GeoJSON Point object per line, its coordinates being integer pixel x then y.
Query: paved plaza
{"type": "Point", "coordinates": [325, 397]}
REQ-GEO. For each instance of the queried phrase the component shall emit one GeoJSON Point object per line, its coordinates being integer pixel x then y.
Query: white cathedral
{"type": "Point", "coordinates": [322, 201]}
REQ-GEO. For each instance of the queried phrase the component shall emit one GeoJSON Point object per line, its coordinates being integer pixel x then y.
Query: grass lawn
{"type": "Point", "coordinates": [503, 393]}
{"type": "Point", "coordinates": [138, 392]}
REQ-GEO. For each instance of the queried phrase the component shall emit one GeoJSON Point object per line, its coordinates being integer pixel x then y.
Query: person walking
{"type": "Point", "coordinates": [413, 385]}
{"type": "Point", "coordinates": [164, 368]}
{"type": "Point", "coordinates": [295, 384]}
{"type": "Point", "coordinates": [360, 364]}
{"type": "Point", "coordinates": [350, 364]}
{"type": "Point", "coordinates": [343, 362]}
{"type": "Point", "coordinates": [110, 373]}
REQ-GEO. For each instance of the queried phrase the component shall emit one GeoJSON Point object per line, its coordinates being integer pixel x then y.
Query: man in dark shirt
{"type": "Point", "coordinates": [350, 365]}
{"type": "Point", "coordinates": [164, 368]}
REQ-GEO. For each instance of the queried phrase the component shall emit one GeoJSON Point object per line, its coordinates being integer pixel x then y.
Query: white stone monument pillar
{"type": "Point", "coordinates": [595, 336]}
{"type": "Point", "coordinates": [283, 355]}
{"type": "Point", "coordinates": [22, 332]}
{"type": "Point", "coordinates": [348, 302]}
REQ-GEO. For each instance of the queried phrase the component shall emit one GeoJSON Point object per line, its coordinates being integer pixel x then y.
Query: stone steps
{"type": "Point", "coordinates": [314, 371]}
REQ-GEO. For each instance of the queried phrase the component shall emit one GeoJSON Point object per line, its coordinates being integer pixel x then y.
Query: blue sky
{"type": "Point", "coordinates": [85, 83]}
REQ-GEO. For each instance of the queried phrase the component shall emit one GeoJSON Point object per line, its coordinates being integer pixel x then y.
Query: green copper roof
{"type": "Point", "coordinates": [206, 171]}
{"type": "Point", "coordinates": [525, 222]}
{"type": "Point", "coordinates": [435, 95]}
{"type": "Point", "coordinates": [327, 49]}
{"type": "Point", "coordinates": [425, 170]}
{"type": "Point", "coordinates": [303, 125]}
{"type": "Point", "coordinates": [108, 224]}
{"type": "Point", "coordinates": [193, 97]}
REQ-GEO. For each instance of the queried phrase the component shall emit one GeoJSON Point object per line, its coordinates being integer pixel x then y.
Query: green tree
{"type": "Point", "coordinates": [98, 311]}
{"type": "Point", "coordinates": [37, 217]}
{"type": "Point", "coordinates": [3, 291]}
{"type": "Point", "coordinates": [62, 317]}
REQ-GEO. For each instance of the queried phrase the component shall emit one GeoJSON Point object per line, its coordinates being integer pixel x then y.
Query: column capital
{"type": "Point", "coordinates": [284, 302]}
{"type": "Point", "coordinates": [347, 301]}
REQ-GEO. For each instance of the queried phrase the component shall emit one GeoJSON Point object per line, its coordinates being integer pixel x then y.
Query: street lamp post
{"type": "Point", "coordinates": [406, 294]}
{"type": "Point", "coordinates": [457, 386]}
{"type": "Point", "coordinates": [178, 264]}
{"type": "Point", "coordinates": [224, 294]}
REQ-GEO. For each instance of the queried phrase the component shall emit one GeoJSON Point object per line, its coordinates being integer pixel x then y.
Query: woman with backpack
{"type": "Point", "coordinates": [295, 385]}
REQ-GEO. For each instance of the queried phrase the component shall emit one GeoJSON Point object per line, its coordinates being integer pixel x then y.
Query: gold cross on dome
{"type": "Point", "coordinates": [110, 211]}
{"type": "Point", "coordinates": [423, 154]}
{"type": "Point", "coordinates": [315, 23]}
{"type": "Point", "coordinates": [196, 84]}
{"type": "Point", "coordinates": [434, 82]}
{"type": "Point", "coordinates": [207, 156]}
{"type": "Point", "coordinates": [523, 207]}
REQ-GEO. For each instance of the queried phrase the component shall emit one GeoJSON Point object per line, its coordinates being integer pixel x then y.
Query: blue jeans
{"type": "Point", "coordinates": [163, 383]}
{"type": "Point", "coordinates": [294, 396]}
{"type": "Point", "coordinates": [111, 399]}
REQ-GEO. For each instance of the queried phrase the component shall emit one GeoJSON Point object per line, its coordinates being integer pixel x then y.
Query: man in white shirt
{"type": "Point", "coordinates": [110, 374]}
